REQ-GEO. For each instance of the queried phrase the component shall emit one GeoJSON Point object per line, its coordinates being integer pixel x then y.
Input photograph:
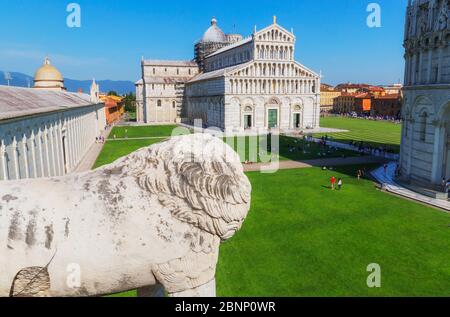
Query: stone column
{"type": "Point", "coordinates": [15, 158]}
{"type": "Point", "coordinates": [33, 154]}
{"type": "Point", "coordinates": [3, 160]}
{"type": "Point", "coordinates": [413, 69]}
{"type": "Point", "coordinates": [72, 141]}
{"type": "Point", "coordinates": [410, 142]}
{"type": "Point", "coordinates": [440, 61]}
{"type": "Point", "coordinates": [419, 74]}
{"type": "Point", "coordinates": [25, 156]}
{"type": "Point", "coordinates": [52, 150]}
{"type": "Point", "coordinates": [46, 150]}
{"type": "Point", "coordinates": [41, 154]}
{"type": "Point", "coordinates": [61, 147]}
{"type": "Point", "coordinates": [430, 65]}
{"type": "Point", "coordinates": [438, 152]}
{"type": "Point", "coordinates": [407, 69]}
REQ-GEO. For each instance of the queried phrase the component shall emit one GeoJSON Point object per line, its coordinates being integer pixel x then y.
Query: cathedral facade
{"type": "Point", "coordinates": [234, 84]}
{"type": "Point", "coordinates": [425, 148]}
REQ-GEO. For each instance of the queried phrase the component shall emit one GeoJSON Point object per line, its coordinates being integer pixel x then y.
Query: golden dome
{"type": "Point", "coordinates": [48, 77]}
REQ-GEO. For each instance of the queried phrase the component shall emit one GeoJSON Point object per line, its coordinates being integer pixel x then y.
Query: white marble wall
{"type": "Point", "coordinates": [426, 127]}
{"type": "Point", "coordinates": [425, 157]}
{"type": "Point", "coordinates": [48, 145]}
{"type": "Point", "coordinates": [239, 55]}
{"type": "Point", "coordinates": [162, 87]}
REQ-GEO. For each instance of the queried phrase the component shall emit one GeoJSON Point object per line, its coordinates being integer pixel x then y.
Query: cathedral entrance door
{"type": "Point", "coordinates": [296, 120]}
{"type": "Point", "coordinates": [248, 121]}
{"type": "Point", "coordinates": [272, 118]}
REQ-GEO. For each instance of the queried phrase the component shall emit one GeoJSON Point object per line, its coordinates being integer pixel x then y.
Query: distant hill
{"type": "Point", "coordinates": [120, 86]}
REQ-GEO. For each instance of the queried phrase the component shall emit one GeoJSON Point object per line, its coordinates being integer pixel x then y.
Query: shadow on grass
{"type": "Point", "coordinates": [253, 148]}
{"type": "Point", "coordinates": [392, 148]}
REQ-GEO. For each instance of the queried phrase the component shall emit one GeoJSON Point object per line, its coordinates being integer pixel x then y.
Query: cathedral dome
{"type": "Point", "coordinates": [48, 77]}
{"type": "Point", "coordinates": [214, 34]}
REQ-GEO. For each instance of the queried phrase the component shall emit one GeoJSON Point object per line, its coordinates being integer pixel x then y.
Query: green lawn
{"type": "Point", "coordinates": [373, 132]}
{"type": "Point", "coordinates": [113, 150]}
{"type": "Point", "coordinates": [289, 149]}
{"type": "Point", "coordinates": [131, 115]}
{"type": "Point", "coordinates": [142, 131]}
{"type": "Point", "coordinates": [302, 239]}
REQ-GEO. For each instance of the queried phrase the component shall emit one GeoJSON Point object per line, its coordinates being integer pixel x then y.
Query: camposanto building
{"type": "Point", "coordinates": [46, 131]}
{"type": "Point", "coordinates": [425, 149]}
{"type": "Point", "coordinates": [234, 84]}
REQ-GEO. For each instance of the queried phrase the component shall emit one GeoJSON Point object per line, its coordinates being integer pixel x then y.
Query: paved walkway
{"type": "Point", "coordinates": [89, 159]}
{"type": "Point", "coordinates": [329, 162]}
{"type": "Point", "coordinates": [389, 184]}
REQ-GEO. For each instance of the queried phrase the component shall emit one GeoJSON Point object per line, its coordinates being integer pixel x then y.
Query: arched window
{"type": "Point", "coordinates": [159, 103]}
{"type": "Point", "coordinates": [423, 126]}
{"type": "Point", "coordinates": [174, 105]}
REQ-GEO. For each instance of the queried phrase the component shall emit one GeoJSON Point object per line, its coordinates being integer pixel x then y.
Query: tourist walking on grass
{"type": "Point", "coordinates": [359, 174]}
{"type": "Point", "coordinates": [340, 183]}
{"type": "Point", "coordinates": [333, 182]}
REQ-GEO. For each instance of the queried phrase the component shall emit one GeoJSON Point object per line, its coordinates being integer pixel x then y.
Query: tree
{"type": "Point", "coordinates": [113, 93]}
{"type": "Point", "coordinates": [130, 102]}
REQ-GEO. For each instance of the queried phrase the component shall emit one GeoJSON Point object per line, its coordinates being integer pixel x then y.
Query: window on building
{"type": "Point", "coordinates": [423, 126]}
{"type": "Point", "coordinates": [154, 71]}
{"type": "Point", "coordinates": [159, 103]}
{"type": "Point", "coordinates": [435, 75]}
{"type": "Point", "coordinates": [189, 71]}
{"type": "Point", "coordinates": [174, 105]}
{"type": "Point", "coordinates": [178, 71]}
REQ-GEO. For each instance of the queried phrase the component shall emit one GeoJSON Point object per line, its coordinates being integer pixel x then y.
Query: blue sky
{"type": "Point", "coordinates": [332, 35]}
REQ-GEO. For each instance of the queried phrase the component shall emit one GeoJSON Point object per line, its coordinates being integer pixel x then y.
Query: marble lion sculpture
{"type": "Point", "coordinates": [152, 220]}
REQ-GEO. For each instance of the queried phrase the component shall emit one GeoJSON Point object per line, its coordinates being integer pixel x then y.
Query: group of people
{"type": "Point", "coordinates": [100, 139]}
{"type": "Point", "coordinates": [364, 148]}
{"type": "Point", "coordinates": [336, 183]}
{"type": "Point", "coordinates": [393, 119]}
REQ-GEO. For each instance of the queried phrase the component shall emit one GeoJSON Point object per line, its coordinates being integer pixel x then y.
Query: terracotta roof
{"type": "Point", "coordinates": [376, 88]}
{"type": "Point", "coordinates": [389, 96]}
{"type": "Point", "coordinates": [363, 95]}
